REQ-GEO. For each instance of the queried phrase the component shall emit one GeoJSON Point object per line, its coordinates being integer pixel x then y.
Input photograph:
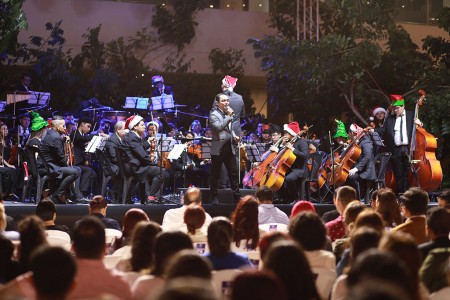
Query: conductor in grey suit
{"type": "Point", "coordinates": [222, 148]}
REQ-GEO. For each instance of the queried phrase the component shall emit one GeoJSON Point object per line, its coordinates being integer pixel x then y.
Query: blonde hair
{"type": "Point", "coordinates": [2, 217]}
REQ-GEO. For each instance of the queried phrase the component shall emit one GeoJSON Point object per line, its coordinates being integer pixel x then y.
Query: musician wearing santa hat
{"type": "Point", "coordinates": [397, 132]}
{"type": "Point", "coordinates": [298, 170]}
{"type": "Point", "coordinates": [378, 116]}
{"type": "Point", "coordinates": [159, 88]}
{"type": "Point", "coordinates": [139, 159]}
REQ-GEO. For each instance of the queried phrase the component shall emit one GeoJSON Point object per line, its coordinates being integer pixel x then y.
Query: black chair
{"type": "Point", "coordinates": [105, 170]}
{"type": "Point", "coordinates": [122, 159]}
{"type": "Point", "coordinates": [381, 162]}
{"type": "Point", "coordinates": [38, 180]}
{"type": "Point", "coordinates": [316, 161]}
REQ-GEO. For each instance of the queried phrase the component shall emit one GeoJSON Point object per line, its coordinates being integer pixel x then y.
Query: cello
{"type": "Point", "coordinates": [426, 171]}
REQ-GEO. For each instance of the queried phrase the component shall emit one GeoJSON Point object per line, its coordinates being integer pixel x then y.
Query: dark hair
{"type": "Point", "coordinates": [415, 200]}
{"type": "Point", "coordinates": [89, 238]}
{"type": "Point", "coordinates": [98, 202]}
{"type": "Point", "coordinates": [258, 285]}
{"type": "Point", "coordinates": [245, 221]}
{"type": "Point", "coordinates": [9, 270]}
{"type": "Point", "coordinates": [445, 195]}
{"type": "Point", "coordinates": [388, 207]}
{"type": "Point", "coordinates": [220, 236]}
{"type": "Point", "coordinates": [53, 270]}
{"type": "Point", "coordinates": [194, 217]}
{"type": "Point", "coordinates": [187, 263]}
{"type": "Point", "coordinates": [352, 210]}
{"type": "Point", "coordinates": [142, 242]}
{"type": "Point", "coordinates": [32, 235]}
{"type": "Point", "coordinates": [269, 238]}
{"type": "Point", "coordinates": [288, 261]}
{"type": "Point", "coordinates": [131, 218]}
{"type": "Point", "coordinates": [166, 245]}
{"type": "Point", "coordinates": [84, 120]}
{"type": "Point", "coordinates": [345, 194]}
{"type": "Point", "coordinates": [438, 220]}
{"type": "Point", "coordinates": [370, 218]}
{"type": "Point", "coordinates": [362, 239]}
{"type": "Point", "coordinates": [376, 265]}
{"type": "Point", "coordinates": [68, 114]}
{"type": "Point", "coordinates": [376, 289]}
{"type": "Point", "coordinates": [275, 129]}
{"type": "Point", "coordinates": [264, 193]}
{"type": "Point", "coordinates": [217, 98]}
{"type": "Point", "coordinates": [45, 209]}
{"type": "Point", "coordinates": [309, 230]}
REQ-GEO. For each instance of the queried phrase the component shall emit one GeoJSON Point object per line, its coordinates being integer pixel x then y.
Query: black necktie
{"type": "Point", "coordinates": [401, 129]}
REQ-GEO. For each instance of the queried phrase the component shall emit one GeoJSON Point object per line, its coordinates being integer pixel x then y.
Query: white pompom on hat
{"type": "Point", "coordinates": [133, 121]}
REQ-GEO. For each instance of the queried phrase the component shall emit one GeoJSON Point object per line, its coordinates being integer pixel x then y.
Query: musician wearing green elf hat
{"type": "Point", "coordinates": [39, 128]}
{"type": "Point", "coordinates": [341, 135]}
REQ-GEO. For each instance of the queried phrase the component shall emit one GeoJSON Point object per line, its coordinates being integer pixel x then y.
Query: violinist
{"type": "Point", "coordinates": [364, 168]}
{"type": "Point", "coordinates": [289, 190]}
{"type": "Point", "coordinates": [151, 143]}
{"type": "Point", "coordinates": [397, 132]}
{"type": "Point", "coordinates": [189, 162]}
{"type": "Point", "coordinates": [53, 152]}
{"type": "Point", "coordinates": [22, 131]}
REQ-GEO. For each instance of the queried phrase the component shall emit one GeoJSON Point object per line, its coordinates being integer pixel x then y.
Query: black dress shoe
{"type": "Point", "coordinates": [81, 201]}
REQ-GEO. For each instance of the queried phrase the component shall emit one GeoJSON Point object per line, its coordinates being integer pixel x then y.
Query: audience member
{"type": "Point", "coordinates": [93, 278]}
{"type": "Point", "coordinates": [344, 195]}
{"type": "Point", "coordinates": [245, 224]}
{"type": "Point", "coordinates": [54, 272]}
{"type": "Point", "coordinates": [369, 218]}
{"type": "Point", "coordinates": [270, 238]}
{"type": "Point", "coordinates": [444, 292]}
{"type": "Point", "coordinates": [220, 237]}
{"type": "Point", "coordinates": [97, 208]}
{"type": "Point", "coordinates": [258, 285]}
{"type": "Point", "coordinates": [11, 235]}
{"type": "Point", "coordinates": [414, 204]}
{"type": "Point", "coordinates": [288, 261]}
{"type": "Point", "coordinates": [267, 212]}
{"type": "Point", "coordinates": [46, 210]}
{"type": "Point", "coordinates": [376, 289]}
{"type": "Point", "coordinates": [174, 218]}
{"type": "Point", "coordinates": [434, 270]}
{"type": "Point", "coordinates": [301, 206]}
{"type": "Point", "coordinates": [444, 198]}
{"type": "Point", "coordinates": [10, 222]}
{"type": "Point", "coordinates": [187, 263]}
{"type": "Point", "coordinates": [187, 288]}
{"type": "Point", "coordinates": [386, 205]}
{"type": "Point", "coordinates": [438, 228]}
{"type": "Point", "coordinates": [32, 235]}
{"type": "Point", "coordinates": [9, 267]}
{"type": "Point", "coordinates": [166, 245]}
{"type": "Point", "coordinates": [131, 218]}
{"type": "Point", "coordinates": [194, 217]}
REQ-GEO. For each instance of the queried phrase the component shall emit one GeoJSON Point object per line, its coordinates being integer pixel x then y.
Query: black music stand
{"type": "Point", "coordinates": [253, 154]}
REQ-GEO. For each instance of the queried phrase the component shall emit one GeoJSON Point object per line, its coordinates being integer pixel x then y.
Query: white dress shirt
{"type": "Point", "coordinates": [404, 133]}
{"type": "Point", "coordinates": [268, 213]}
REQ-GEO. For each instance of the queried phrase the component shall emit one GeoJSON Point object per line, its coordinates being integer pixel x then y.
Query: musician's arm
{"type": "Point", "coordinates": [218, 125]}
{"type": "Point", "coordinates": [301, 150]}
{"type": "Point", "coordinates": [137, 148]}
{"type": "Point", "coordinates": [58, 145]}
{"type": "Point", "coordinates": [367, 153]}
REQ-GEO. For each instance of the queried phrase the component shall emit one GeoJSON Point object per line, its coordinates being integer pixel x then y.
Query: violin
{"type": "Point", "coordinates": [68, 152]}
{"type": "Point", "coordinates": [196, 150]}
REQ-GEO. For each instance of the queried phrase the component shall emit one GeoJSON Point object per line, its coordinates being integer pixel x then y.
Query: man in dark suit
{"type": "Point", "coordinates": [140, 160]}
{"type": "Point", "coordinates": [397, 131]}
{"type": "Point", "coordinates": [289, 190]}
{"type": "Point", "coordinates": [223, 150]}
{"type": "Point", "coordinates": [52, 147]}
{"type": "Point", "coordinates": [22, 131]}
{"type": "Point", "coordinates": [438, 227]}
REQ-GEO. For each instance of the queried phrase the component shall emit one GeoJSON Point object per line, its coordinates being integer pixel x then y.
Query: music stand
{"type": "Point", "coordinates": [253, 153]}
{"type": "Point", "coordinates": [261, 147]}
{"type": "Point", "coordinates": [39, 98]}
{"type": "Point", "coordinates": [2, 105]}
{"type": "Point", "coordinates": [136, 103]}
{"type": "Point", "coordinates": [97, 142]}
{"type": "Point", "coordinates": [162, 102]}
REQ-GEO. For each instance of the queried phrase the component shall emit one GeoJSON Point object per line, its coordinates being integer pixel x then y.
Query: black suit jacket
{"type": "Point", "coordinates": [387, 131]}
{"type": "Point", "coordinates": [79, 145]}
{"type": "Point", "coordinates": [138, 157]}
{"type": "Point", "coordinates": [301, 151]}
{"type": "Point", "coordinates": [167, 90]}
{"type": "Point", "coordinates": [52, 147]}
{"type": "Point", "coordinates": [365, 163]}
{"type": "Point", "coordinates": [110, 152]}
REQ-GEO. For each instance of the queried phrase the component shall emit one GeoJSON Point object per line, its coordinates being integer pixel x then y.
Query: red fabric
{"type": "Point", "coordinates": [336, 228]}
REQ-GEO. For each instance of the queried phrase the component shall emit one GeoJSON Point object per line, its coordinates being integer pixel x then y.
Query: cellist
{"type": "Point", "coordinates": [397, 132]}
{"type": "Point", "coordinates": [275, 135]}
{"type": "Point", "coordinates": [289, 190]}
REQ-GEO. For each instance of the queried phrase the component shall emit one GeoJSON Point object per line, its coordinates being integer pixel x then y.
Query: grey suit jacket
{"type": "Point", "coordinates": [221, 131]}
{"type": "Point", "coordinates": [238, 106]}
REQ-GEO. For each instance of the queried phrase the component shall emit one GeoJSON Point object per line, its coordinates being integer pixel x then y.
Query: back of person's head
{"type": "Point", "coordinates": [245, 221]}
{"type": "Point", "coordinates": [269, 238]}
{"type": "Point", "coordinates": [264, 194]}
{"type": "Point", "coordinates": [374, 265]}
{"type": "Point", "coordinates": [89, 238]}
{"type": "Point", "coordinates": [46, 209]}
{"type": "Point", "coordinates": [165, 246]}
{"type": "Point", "coordinates": [32, 235]}
{"type": "Point", "coordinates": [345, 194]}
{"type": "Point", "coordinates": [415, 200]}
{"type": "Point", "coordinates": [192, 195]}
{"type": "Point", "coordinates": [142, 241]}
{"type": "Point", "coordinates": [194, 218]}
{"type": "Point", "coordinates": [6, 257]}
{"type": "Point", "coordinates": [131, 218]}
{"type": "Point", "coordinates": [2, 217]}
{"type": "Point", "coordinates": [445, 196]}
{"type": "Point", "coordinates": [438, 221]}
{"type": "Point", "coordinates": [352, 211]}
{"type": "Point", "coordinates": [387, 206]}
{"type": "Point", "coordinates": [288, 261]}
{"type": "Point", "coordinates": [187, 263]}
{"type": "Point", "coordinates": [220, 236]}
{"type": "Point", "coordinates": [363, 239]}
{"type": "Point", "coordinates": [187, 288]}
{"type": "Point", "coordinates": [302, 206]}
{"type": "Point", "coordinates": [369, 218]}
{"type": "Point", "coordinates": [97, 203]}
{"type": "Point", "coordinates": [376, 290]}
{"type": "Point", "coordinates": [309, 230]}
{"type": "Point", "coordinates": [258, 285]}
{"type": "Point", "coordinates": [54, 271]}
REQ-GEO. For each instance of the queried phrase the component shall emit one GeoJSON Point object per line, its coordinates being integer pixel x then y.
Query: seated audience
{"type": "Point", "coordinates": [9, 234]}
{"type": "Point", "coordinates": [174, 218]}
{"type": "Point", "coordinates": [32, 235]}
{"type": "Point", "coordinates": [131, 218]}
{"type": "Point", "coordinates": [9, 267]}
{"type": "Point", "coordinates": [97, 208]}
{"type": "Point", "coordinates": [93, 278]}
{"type": "Point", "coordinates": [444, 198]}
{"type": "Point", "coordinates": [220, 237]}
{"type": "Point", "coordinates": [344, 195]}
{"type": "Point", "coordinates": [245, 224]}
{"type": "Point", "coordinates": [187, 263]}
{"type": "Point", "coordinates": [46, 210]}
{"type": "Point", "coordinates": [414, 204]}
{"type": "Point", "coordinates": [433, 270]}
{"type": "Point", "coordinates": [267, 212]}
{"type": "Point", "coordinates": [301, 206]}
{"type": "Point", "coordinates": [438, 228]}
{"type": "Point", "coordinates": [386, 205]}
{"type": "Point", "coordinates": [194, 217]}
{"type": "Point", "coordinates": [187, 288]}
{"type": "Point", "coordinates": [258, 285]}
{"type": "Point", "coordinates": [10, 222]}
{"type": "Point", "coordinates": [287, 260]}
{"type": "Point", "coordinates": [270, 238]}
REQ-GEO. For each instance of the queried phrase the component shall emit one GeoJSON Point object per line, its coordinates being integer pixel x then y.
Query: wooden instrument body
{"type": "Point", "coordinates": [259, 172]}
{"type": "Point", "coordinates": [277, 175]}
{"type": "Point", "coordinates": [343, 167]}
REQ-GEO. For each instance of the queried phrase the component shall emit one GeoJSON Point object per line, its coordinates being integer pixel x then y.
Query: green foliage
{"type": "Point", "coordinates": [228, 62]}
{"type": "Point", "coordinates": [175, 62]}
{"type": "Point", "coordinates": [12, 20]}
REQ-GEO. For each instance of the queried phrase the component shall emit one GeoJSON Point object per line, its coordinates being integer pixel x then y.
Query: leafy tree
{"type": "Point", "coordinates": [12, 20]}
{"type": "Point", "coordinates": [228, 62]}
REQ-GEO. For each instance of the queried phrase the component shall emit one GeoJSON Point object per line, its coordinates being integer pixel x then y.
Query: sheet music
{"type": "Point", "coordinates": [162, 102]}
{"type": "Point", "coordinates": [97, 142]}
{"type": "Point", "coordinates": [177, 150]}
{"type": "Point", "coordinates": [39, 98]}
{"type": "Point", "coordinates": [136, 103]}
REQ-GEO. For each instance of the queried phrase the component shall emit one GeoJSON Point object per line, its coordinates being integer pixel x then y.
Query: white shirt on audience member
{"type": "Point", "coordinates": [174, 219]}
{"type": "Point", "coordinates": [268, 213]}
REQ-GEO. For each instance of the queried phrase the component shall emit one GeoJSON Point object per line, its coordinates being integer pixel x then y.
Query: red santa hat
{"type": "Point", "coordinates": [133, 121]}
{"type": "Point", "coordinates": [356, 129]}
{"type": "Point", "coordinates": [377, 110]}
{"type": "Point", "coordinates": [292, 128]}
{"type": "Point", "coordinates": [229, 82]}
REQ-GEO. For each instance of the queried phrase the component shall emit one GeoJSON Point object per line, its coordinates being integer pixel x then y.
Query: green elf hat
{"type": "Point", "coordinates": [37, 122]}
{"type": "Point", "coordinates": [397, 100]}
{"type": "Point", "coordinates": [340, 131]}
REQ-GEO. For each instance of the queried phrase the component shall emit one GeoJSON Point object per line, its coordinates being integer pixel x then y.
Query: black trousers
{"type": "Point", "coordinates": [88, 177]}
{"type": "Point", "coordinates": [157, 179]}
{"type": "Point", "coordinates": [9, 180]}
{"type": "Point", "coordinates": [227, 158]}
{"type": "Point", "coordinates": [401, 166]}
{"type": "Point", "coordinates": [69, 174]}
